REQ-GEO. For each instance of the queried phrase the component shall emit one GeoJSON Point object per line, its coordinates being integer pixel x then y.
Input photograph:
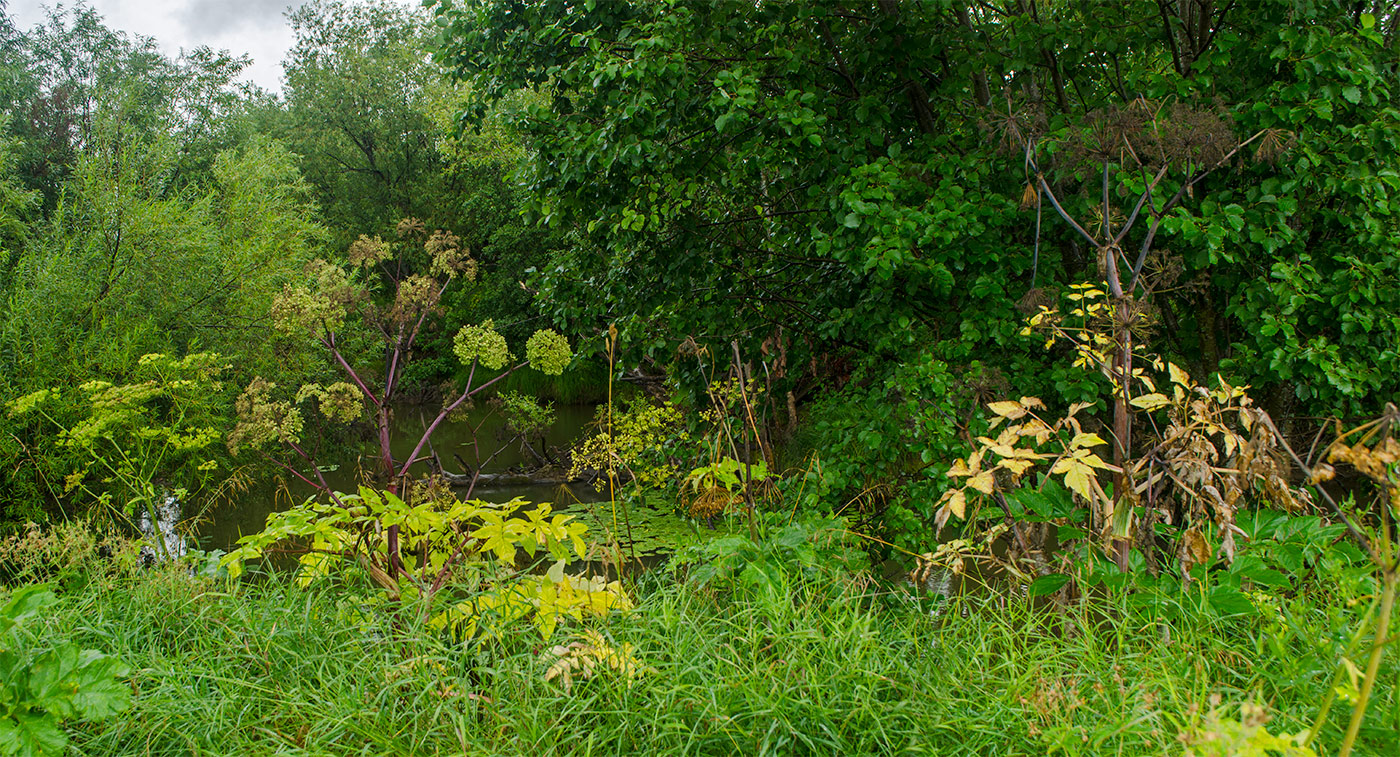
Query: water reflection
{"type": "Point", "coordinates": [478, 439]}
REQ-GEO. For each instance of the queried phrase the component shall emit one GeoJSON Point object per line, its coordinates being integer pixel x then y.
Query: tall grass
{"type": "Point", "coordinates": [266, 666]}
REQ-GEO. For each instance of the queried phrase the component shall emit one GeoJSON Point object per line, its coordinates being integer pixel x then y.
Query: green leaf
{"type": "Point", "coordinates": [1351, 94]}
{"type": "Point", "coordinates": [24, 603]}
{"type": "Point", "coordinates": [101, 692]}
{"type": "Point", "coordinates": [28, 734]}
{"type": "Point", "coordinates": [1227, 600]}
{"type": "Point", "coordinates": [1046, 585]}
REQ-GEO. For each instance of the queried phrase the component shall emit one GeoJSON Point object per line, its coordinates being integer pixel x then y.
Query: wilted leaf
{"type": "Point", "coordinates": [1007, 409]}
{"type": "Point", "coordinates": [1194, 549]}
{"type": "Point", "coordinates": [1178, 376]}
{"type": "Point", "coordinates": [956, 502]}
{"type": "Point", "coordinates": [1150, 401]}
{"type": "Point", "coordinates": [1016, 466]}
{"type": "Point", "coordinates": [959, 469]}
{"type": "Point", "coordinates": [983, 482]}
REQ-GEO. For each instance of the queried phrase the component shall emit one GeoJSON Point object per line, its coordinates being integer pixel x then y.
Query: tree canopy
{"type": "Point", "coordinates": [864, 176]}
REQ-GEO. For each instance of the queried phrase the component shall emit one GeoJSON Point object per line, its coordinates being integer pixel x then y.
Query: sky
{"type": "Point", "coordinates": [256, 27]}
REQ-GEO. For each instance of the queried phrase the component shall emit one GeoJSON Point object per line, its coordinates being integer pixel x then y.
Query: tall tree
{"type": "Point", "coordinates": [868, 175]}
{"type": "Point", "coordinates": [357, 89]}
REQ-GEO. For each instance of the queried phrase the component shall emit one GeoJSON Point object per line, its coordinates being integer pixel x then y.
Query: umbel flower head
{"type": "Point", "coordinates": [449, 257]}
{"type": "Point", "coordinates": [416, 295]}
{"type": "Point", "coordinates": [262, 419]}
{"type": "Point", "coordinates": [482, 344]}
{"type": "Point", "coordinates": [367, 251]}
{"type": "Point", "coordinates": [340, 401]}
{"type": "Point", "coordinates": [548, 351]}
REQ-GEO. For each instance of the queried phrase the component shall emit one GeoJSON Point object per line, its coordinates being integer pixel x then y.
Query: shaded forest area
{"type": "Point", "coordinates": [978, 355]}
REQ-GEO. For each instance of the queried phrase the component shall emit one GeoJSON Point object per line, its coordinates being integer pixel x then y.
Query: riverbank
{"type": "Point", "coordinates": [837, 665]}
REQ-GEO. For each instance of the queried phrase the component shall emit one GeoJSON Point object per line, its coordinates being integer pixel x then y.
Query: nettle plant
{"type": "Point", "coordinates": [1209, 449]}
{"type": "Point", "coordinates": [393, 292]}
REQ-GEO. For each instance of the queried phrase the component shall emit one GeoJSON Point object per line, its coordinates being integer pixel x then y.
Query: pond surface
{"type": "Point", "coordinates": [647, 532]}
{"type": "Point", "coordinates": [478, 439]}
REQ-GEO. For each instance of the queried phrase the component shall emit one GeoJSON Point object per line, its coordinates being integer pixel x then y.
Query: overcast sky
{"type": "Point", "coordinates": [255, 27]}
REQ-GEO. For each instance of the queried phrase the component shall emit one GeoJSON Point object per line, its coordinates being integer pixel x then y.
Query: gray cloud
{"type": "Point", "coordinates": [224, 17]}
{"type": "Point", "coordinates": [255, 27]}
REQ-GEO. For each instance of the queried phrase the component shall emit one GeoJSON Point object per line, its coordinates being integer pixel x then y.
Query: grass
{"type": "Point", "coordinates": [264, 666]}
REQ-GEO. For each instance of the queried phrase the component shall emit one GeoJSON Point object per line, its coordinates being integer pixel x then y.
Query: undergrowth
{"type": "Point", "coordinates": [837, 666]}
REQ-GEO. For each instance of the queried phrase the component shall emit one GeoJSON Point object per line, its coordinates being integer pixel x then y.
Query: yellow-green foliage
{"type": "Point", "coordinates": [548, 351]}
{"type": "Point", "coordinates": [442, 537]}
{"type": "Point", "coordinates": [592, 655]}
{"type": "Point", "coordinates": [482, 344]}
{"type": "Point", "coordinates": [1247, 736]}
{"type": "Point", "coordinates": [158, 427]}
{"type": "Point", "coordinates": [637, 434]}
{"type": "Point", "coordinates": [546, 600]}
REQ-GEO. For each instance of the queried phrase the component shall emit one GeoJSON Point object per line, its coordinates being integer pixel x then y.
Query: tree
{"type": "Point", "coordinates": [357, 84]}
{"type": "Point", "coordinates": [855, 178]}
{"type": "Point", "coordinates": [392, 292]}
{"type": "Point", "coordinates": [72, 71]}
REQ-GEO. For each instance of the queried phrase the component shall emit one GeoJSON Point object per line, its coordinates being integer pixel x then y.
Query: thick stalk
{"type": "Point", "coordinates": [1389, 579]}
{"type": "Point", "coordinates": [1122, 424]}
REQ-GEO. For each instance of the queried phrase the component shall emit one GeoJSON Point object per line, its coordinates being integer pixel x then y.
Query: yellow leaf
{"type": "Point", "coordinates": [1093, 460]}
{"type": "Point", "coordinates": [1007, 409]}
{"type": "Point", "coordinates": [1179, 376]}
{"type": "Point", "coordinates": [1016, 466]}
{"type": "Point", "coordinates": [1150, 401]}
{"type": "Point", "coordinates": [1078, 477]}
{"type": "Point", "coordinates": [1076, 407]}
{"type": "Point", "coordinates": [1030, 402]}
{"type": "Point", "coordinates": [957, 502]}
{"type": "Point", "coordinates": [983, 482]}
{"type": "Point", "coordinates": [974, 461]}
{"type": "Point", "coordinates": [1083, 439]}
{"type": "Point", "coordinates": [959, 469]}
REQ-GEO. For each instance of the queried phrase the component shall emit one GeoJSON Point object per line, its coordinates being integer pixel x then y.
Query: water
{"type": "Point", "coordinates": [476, 439]}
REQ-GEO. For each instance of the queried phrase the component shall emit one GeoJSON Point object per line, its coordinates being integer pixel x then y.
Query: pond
{"type": "Point", "coordinates": [653, 532]}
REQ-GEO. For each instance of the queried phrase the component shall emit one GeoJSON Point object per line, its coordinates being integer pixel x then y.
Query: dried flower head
{"type": "Point", "coordinates": [365, 251]}
{"type": "Point", "coordinates": [449, 257]}
{"type": "Point", "coordinates": [297, 310]}
{"type": "Point", "coordinates": [417, 295]}
{"type": "Point", "coordinates": [262, 419]}
{"type": "Point", "coordinates": [409, 227]}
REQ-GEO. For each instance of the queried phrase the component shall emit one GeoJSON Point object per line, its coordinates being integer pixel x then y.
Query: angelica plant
{"type": "Point", "coordinates": [382, 289]}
